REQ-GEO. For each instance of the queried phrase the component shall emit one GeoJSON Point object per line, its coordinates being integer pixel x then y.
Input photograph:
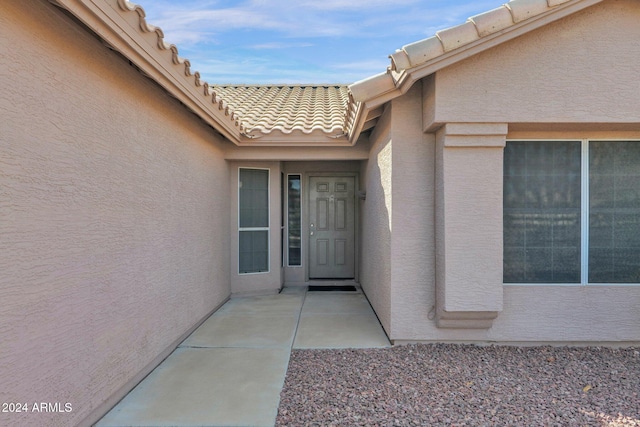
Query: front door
{"type": "Point", "coordinates": [331, 227]}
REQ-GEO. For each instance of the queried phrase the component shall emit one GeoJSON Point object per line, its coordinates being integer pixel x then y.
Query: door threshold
{"type": "Point", "coordinates": [333, 285]}
{"type": "Point", "coordinates": [332, 288]}
{"type": "Point", "coordinates": [332, 282]}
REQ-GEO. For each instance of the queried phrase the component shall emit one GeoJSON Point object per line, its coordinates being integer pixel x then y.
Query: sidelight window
{"type": "Point", "coordinates": [294, 224]}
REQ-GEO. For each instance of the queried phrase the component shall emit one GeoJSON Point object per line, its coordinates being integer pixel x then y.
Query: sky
{"type": "Point", "coordinates": [300, 41]}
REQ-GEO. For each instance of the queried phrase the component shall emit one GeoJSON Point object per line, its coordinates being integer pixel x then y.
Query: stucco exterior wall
{"type": "Point", "coordinates": [412, 242]}
{"type": "Point", "coordinates": [376, 221]}
{"type": "Point", "coordinates": [529, 313]}
{"type": "Point", "coordinates": [114, 207]}
{"type": "Point", "coordinates": [469, 226]}
{"type": "Point", "coordinates": [580, 76]}
{"type": "Point", "coordinates": [569, 314]}
{"type": "Point", "coordinates": [583, 68]}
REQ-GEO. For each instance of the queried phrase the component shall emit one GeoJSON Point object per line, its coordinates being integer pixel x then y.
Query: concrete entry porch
{"type": "Point", "coordinates": [231, 370]}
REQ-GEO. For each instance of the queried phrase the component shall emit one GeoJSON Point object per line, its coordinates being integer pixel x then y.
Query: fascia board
{"type": "Point", "coordinates": [233, 152]}
{"type": "Point", "coordinates": [359, 122]}
{"type": "Point", "coordinates": [363, 109]}
{"type": "Point", "coordinates": [303, 140]}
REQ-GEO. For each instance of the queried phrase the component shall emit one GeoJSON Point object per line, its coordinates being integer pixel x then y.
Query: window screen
{"type": "Point", "coordinates": [614, 212]}
{"type": "Point", "coordinates": [542, 196]}
{"type": "Point", "coordinates": [253, 220]}
{"type": "Point", "coordinates": [548, 188]}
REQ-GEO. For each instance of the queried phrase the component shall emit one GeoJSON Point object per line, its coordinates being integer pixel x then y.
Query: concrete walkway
{"type": "Point", "coordinates": [231, 370]}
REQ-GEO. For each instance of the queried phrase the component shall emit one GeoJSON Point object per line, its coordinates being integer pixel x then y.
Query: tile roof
{"type": "Point", "coordinates": [163, 56]}
{"type": "Point", "coordinates": [265, 109]}
{"type": "Point", "coordinates": [417, 60]}
{"type": "Point", "coordinates": [242, 113]}
{"type": "Point", "coordinates": [331, 114]}
{"type": "Point", "coordinates": [474, 28]}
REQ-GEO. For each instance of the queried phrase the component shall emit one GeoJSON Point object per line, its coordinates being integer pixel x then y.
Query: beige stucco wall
{"type": "Point", "coordinates": [583, 68]}
{"type": "Point", "coordinates": [579, 73]}
{"type": "Point", "coordinates": [114, 216]}
{"type": "Point", "coordinates": [529, 313]}
{"type": "Point", "coordinates": [469, 166]}
{"type": "Point", "coordinates": [412, 241]}
{"type": "Point", "coordinates": [375, 222]}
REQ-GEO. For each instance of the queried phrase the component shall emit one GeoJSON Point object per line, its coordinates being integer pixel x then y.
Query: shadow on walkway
{"type": "Point", "coordinates": [231, 370]}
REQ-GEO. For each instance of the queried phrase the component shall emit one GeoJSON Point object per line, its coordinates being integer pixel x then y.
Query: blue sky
{"type": "Point", "coordinates": [300, 41]}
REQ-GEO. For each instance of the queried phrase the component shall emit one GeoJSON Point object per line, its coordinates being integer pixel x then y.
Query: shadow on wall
{"type": "Point", "coordinates": [375, 262]}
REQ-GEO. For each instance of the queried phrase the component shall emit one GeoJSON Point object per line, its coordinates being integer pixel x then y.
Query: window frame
{"type": "Point", "coordinates": [584, 210]}
{"type": "Point", "coordinates": [267, 228]}
{"type": "Point", "coordinates": [288, 263]}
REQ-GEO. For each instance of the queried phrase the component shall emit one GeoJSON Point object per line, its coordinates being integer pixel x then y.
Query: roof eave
{"type": "Point", "coordinates": [367, 95]}
{"type": "Point", "coordinates": [371, 93]}
{"type": "Point", "coordinates": [295, 138]}
{"type": "Point", "coordinates": [406, 78]}
{"type": "Point", "coordinates": [121, 25]}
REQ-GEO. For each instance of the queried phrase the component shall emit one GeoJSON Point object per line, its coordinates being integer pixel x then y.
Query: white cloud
{"type": "Point", "coordinates": [279, 45]}
{"type": "Point", "coordinates": [306, 41]}
{"type": "Point", "coordinates": [363, 6]}
{"type": "Point", "coordinates": [277, 17]}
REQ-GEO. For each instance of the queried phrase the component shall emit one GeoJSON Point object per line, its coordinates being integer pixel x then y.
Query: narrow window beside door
{"type": "Point", "coordinates": [293, 218]}
{"type": "Point", "coordinates": [253, 220]}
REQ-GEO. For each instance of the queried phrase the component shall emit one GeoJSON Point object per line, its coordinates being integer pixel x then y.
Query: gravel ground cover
{"type": "Point", "coordinates": [462, 385]}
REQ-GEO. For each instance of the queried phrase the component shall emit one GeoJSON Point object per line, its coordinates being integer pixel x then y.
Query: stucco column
{"type": "Point", "coordinates": [469, 168]}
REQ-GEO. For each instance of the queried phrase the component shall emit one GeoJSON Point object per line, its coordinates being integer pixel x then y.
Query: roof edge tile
{"type": "Point", "coordinates": [192, 78]}
{"type": "Point", "coordinates": [419, 59]}
{"type": "Point", "coordinates": [422, 51]}
{"type": "Point", "coordinates": [525, 9]}
{"type": "Point", "coordinates": [492, 21]}
{"type": "Point", "coordinates": [400, 60]}
{"type": "Point", "coordinates": [477, 27]}
{"type": "Point", "coordinates": [373, 86]}
{"type": "Point", "coordinates": [460, 35]}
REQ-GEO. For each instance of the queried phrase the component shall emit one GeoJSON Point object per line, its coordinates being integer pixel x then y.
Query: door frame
{"type": "Point", "coordinates": [306, 228]}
